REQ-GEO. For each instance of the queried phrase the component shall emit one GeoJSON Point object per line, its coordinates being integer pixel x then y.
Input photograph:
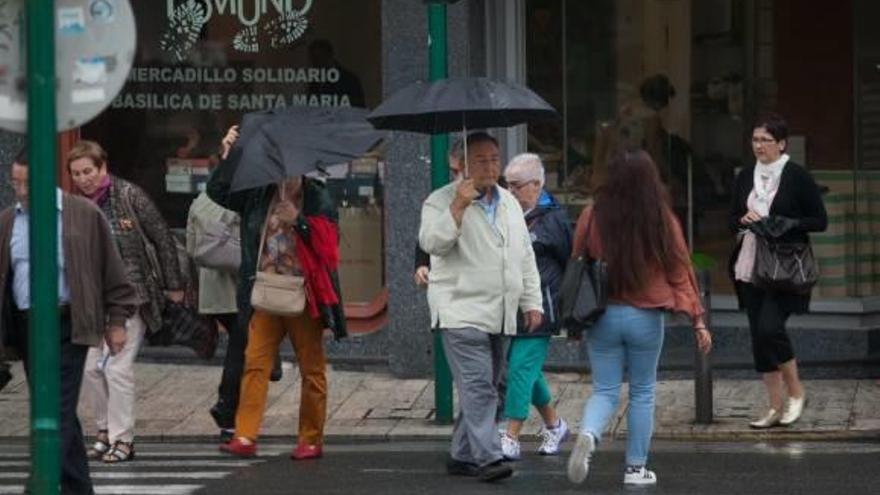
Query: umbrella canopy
{"type": "Point", "coordinates": [278, 144]}
{"type": "Point", "coordinates": [458, 104]}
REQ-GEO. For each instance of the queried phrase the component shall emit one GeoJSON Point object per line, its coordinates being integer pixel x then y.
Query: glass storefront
{"type": "Point", "coordinates": [683, 79]}
{"type": "Point", "coordinates": [202, 64]}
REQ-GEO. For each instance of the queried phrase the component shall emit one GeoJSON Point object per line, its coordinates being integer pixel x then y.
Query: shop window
{"type": "Point", "coordinates": [684, 80]}
{"type": "Point", "coordinates": [202, 64]}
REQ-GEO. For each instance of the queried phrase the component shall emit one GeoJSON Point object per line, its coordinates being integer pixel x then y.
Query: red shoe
{"type": "Point", "coordinates": [305, 451]}
{"type": "Point", "coordinates": [238, 448]}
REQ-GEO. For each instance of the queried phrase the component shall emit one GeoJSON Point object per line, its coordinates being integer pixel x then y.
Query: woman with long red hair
{"type": "Point", "coordinates": [632, 228]}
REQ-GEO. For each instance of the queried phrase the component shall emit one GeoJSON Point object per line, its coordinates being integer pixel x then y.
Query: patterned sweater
{"type": "Point", "coordinates": [140, 232]}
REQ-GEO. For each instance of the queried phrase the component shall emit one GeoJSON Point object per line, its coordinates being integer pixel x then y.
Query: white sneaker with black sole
{"type": "Point", "coordinates": [579, 462]}
{"type": "Point", "coordinates": [552, 437]}
{"type": "Point", "coordinates": [510, 447]}
{"type": "Point", "coordinates": [640, 476]}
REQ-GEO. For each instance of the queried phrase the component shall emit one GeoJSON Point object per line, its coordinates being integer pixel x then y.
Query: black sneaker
{"type": "Point", "coordinates": [498, 470]}
{"type": "Point", "coordinates": [461, 468]}
{"type": "Point", "coordinates": [226, 435]}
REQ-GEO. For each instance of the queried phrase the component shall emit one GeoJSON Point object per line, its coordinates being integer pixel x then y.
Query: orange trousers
{"type": "Point", "coordinates": [264, 337]}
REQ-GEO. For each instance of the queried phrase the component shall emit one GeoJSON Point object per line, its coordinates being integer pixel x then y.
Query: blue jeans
{"type": "Point", "coordinates": [631, 337]}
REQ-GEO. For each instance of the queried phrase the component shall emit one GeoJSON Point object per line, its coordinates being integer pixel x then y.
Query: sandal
{"type": "Point", "coordinates": [100, 447]}
{"type": "Point", "coordinates": [120, 452]}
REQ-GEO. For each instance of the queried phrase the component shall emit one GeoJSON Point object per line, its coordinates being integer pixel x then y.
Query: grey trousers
{"type": "Point", "coordinates": [475, 359]}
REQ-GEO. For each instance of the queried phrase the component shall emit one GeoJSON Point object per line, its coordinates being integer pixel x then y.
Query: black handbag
{"type": "Point", "coordinates": [181, 325]}
{"type": "Point", "coordinates": [583, 293]}
{"type": "Point", "coordinates": [784, 266]}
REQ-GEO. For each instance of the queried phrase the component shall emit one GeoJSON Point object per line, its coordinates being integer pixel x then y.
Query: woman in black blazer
{"type": "Point", "coordinates": [774, 186]}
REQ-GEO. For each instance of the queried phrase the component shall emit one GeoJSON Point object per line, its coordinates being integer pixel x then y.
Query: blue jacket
{"type": "Point", "coordinates": [551, 234]}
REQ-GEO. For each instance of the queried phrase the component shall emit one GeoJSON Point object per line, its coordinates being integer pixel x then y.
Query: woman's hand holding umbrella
{"type": "Point", "coordinates": [228, 140]}
{"type": "Point", "coordinates": [286, 212]}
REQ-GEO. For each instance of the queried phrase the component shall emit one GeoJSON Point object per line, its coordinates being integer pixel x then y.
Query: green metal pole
{"type": "Point", "coordinates": [439, 178]}
{"type": "Point", "coordinates": [44, 341]}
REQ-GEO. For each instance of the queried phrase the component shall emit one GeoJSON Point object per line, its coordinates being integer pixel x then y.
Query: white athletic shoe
{"type": "Point", "coordinates": [579, 462]}
{"type": "Point", "coordinates": [510, 447]}
{"type": "Point", "coordinates": [552, 438]}
{"type": "Point", "coordinates": [641, 476]}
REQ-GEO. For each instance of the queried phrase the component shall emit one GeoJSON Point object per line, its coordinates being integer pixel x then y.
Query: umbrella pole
{"type": "Point", "coordinates": [464, 149]}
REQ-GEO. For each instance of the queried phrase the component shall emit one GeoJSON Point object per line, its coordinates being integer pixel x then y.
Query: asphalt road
{"type": "Point", "coordinates": [418, 468]}
{"type": "Point", "coordinates": [716, 469]}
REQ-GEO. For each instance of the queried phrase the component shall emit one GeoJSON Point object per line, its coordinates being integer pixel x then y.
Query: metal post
{"type": "Point", "coordinates": [44, 344]}
{"type": "Point", "coordinates": [703, 363]}
{"type": "Point", "coordinates": [439, 178]}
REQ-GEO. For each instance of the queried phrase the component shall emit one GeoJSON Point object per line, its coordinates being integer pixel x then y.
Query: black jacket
{"type": "Point", "coordinates": [551, 234]}
{"type": "Point", "coordinates": [798, 199]}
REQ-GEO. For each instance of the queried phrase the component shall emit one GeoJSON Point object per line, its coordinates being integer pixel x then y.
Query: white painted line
{"type": "Point", "coordinates": [11, 489]}
{"type": "Point", "coordinates": [171, 454]}
{"type": "Point", "coordinates": [184, 463]}
{"type": "Point", "coordinates": [539, 472]}
{"type": "Point", "coordinates": [159, 463]}
{"type": "Point", "coordinates": [110, 475]}
{"type": "Point", "coordinates": [146, 489]}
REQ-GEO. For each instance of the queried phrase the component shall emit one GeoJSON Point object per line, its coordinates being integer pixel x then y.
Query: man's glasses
{"type": "Point", "coordinates": [763, 140]}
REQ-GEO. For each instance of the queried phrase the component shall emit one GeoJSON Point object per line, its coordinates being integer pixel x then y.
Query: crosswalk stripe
{"type": "Point", "coordinates": [158, 463]}
{"type": "Point", "coordinates": [146, 490]}
{"type": "Point", "coordinates": [166, 454]}
{"type": "Point", "coordinates": [149, 474]}
{"type": "Point", "coordinates": [110, 475]}
{"type": "Point", "coordinates": [122, 489]}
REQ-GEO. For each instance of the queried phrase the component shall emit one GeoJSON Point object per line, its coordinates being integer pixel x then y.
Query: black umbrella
{"type": "Point", "coordinates": [454, 104]}
{"type": "Point", "coordinates": [278, 144]}
{"type": "Point", "coordinates": [459, 104]}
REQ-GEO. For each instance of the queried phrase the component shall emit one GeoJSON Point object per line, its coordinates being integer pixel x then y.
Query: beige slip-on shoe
{"type": "Point", "coordinates": [794, 410]}
{"type": "Point", "coordinates": [769, 420]}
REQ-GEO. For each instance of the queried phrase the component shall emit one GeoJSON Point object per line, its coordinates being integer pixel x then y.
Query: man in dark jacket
{"type": "Point", "coordinates": [94, 299]}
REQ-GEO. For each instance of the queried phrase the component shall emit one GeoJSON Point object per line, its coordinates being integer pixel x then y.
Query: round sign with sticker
{"type": "Point", "coordinates": [94, 51]}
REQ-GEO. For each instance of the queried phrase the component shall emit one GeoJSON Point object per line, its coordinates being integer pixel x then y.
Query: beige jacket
{"type": "Point", "coordinates": [216, 287]}
{"type": "Point", "coordinates": [480, 275]}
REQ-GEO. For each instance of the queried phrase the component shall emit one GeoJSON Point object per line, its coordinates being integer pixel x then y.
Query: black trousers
{"type": "Point", "coordinates": [233, 367]}
{"type": "Point", "coordinates": [75, 479]}
{"type": "Point", "coordinates": [771, 345]}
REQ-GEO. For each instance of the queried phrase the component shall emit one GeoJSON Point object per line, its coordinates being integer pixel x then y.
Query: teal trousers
{"type": "Point", "coordinates": [525, 382]}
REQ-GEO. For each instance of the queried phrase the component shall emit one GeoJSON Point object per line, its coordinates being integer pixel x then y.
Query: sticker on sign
{"type": "Point", "coordinates": [95, 43]}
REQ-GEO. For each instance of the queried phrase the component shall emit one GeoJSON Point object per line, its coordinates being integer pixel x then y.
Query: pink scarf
{"type": "Point", "coordinates": [101, 192]}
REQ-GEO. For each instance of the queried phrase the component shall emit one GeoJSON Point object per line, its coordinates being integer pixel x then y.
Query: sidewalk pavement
{"type": "Point", "coordinates": [173, 402]}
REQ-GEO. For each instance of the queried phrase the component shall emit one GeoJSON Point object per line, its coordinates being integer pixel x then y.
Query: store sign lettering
{"type": "Point", "coordinates": [271, 24]}
{"type": "Point", "coordinates": [248, 12]}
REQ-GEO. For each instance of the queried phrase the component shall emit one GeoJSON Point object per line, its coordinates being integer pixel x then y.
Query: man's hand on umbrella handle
{"type": "Point", "coordinates": [286, 212]}
{"type": "Point", "coordinates": [228, 140]}
{"type": "Point", "coordinates": [465, 193]}
{"type": "Point", "coordinates": [533, 320]}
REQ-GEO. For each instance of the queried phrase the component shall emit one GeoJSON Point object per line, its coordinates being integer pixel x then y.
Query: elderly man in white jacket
{"type": "Point", "coordinates": [482, 271]}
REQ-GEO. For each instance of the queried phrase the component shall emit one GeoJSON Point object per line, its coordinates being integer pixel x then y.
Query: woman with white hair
{"type": "Point", "coordinates": [550, 230]}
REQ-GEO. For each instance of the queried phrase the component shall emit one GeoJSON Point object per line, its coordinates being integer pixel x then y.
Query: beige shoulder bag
{"type": "Point", "coordinates": [276, 294]}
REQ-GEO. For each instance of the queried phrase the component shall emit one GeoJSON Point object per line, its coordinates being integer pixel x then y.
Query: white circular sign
{"type": "Point", "coordinates": [94, 51]}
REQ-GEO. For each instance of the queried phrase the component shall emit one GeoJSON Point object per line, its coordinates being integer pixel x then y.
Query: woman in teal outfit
{"type": "Point", "coordinates": [550, 231]}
